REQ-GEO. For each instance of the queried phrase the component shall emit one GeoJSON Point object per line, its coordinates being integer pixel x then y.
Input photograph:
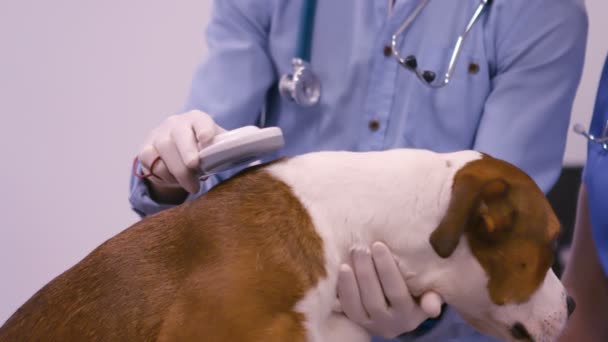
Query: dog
{"type": "Point", "coordinates": [257, 258]}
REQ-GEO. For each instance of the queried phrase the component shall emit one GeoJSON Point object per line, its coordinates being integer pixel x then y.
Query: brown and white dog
{"type": "Point", "coordinates": [257, 258]}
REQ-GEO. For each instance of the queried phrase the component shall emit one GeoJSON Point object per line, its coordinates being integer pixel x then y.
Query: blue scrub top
{"type": "Point", "coordinates": [595, 174]}
{"type": "Point", "coordinates": [510, 96]}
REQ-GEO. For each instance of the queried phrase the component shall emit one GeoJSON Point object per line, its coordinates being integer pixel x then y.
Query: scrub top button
{"type": "Point", "coordinates": [387, 51]}
{"type": "Point", "coordinates": [374, 125]}
{"type": "Point", "coordinates": [473, 68]}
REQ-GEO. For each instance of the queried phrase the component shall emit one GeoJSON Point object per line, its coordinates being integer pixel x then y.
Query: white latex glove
{"type": "Point", "coordinates": [387, 313]}
{"type": "Point", "coordinates": [177, 142]}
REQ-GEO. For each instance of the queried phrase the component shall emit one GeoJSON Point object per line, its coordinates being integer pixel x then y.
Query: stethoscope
{"type": "Point", "coordinates": [303, 87]}
{"type": "Point", "coordinates": [603, 140]}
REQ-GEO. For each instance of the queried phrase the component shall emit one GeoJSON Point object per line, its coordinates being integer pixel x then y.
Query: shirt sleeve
{"type": "Point", "coordinates": [230, 84]}
{"type": "Point", "coordinates": [595, 176]}
{"type": "Point", "coordinates": [540, 56]}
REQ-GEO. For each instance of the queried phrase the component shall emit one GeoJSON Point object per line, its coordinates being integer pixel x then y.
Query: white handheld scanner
{"type": "Point", "coordinates": [239, 147]}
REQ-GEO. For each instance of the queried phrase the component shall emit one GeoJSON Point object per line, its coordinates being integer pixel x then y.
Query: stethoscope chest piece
{"type": "Point", "coordinates": [302, 86]}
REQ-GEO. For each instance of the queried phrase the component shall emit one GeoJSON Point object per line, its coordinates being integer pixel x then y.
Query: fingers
{"type": "Point", "coordinates": [176, 141]}
{"type": "Point", "coordinates": [350, 299]}
{"type": "Point", "coordinates": [337, 306]}
{"type": "Point", "coordinates": [204, 129]}
{"type": "Point", "coordinates": [372, 297]}
{"type": "Point", "coordinates": [146, 157]}
{"type": "Point", "coordinates": [392, 281]}
{"type": "Point", "coordinates": [191, 132]}
{"type": "Point", "coordinates": [171, 157]}
{"type": "Point", "coordinates": [186, 144]}
{"type": "Point", "coordinates": [397, 292]}
{"type": "Point", "coordinates": [375, 279]}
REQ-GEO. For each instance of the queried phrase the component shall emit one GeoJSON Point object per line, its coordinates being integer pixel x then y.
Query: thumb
{"type": "Point", "coordinates": [205, 135]}
{"type": "Point", "coordinates": [431, 303]}
{"type": "Point", "coordinates": [219, 129]}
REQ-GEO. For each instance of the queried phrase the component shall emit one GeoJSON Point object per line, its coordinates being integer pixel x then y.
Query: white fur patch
{"type": "Point", "coordinates": [399, 197]}
{"type": "Point", "coordinates": [355, 199]}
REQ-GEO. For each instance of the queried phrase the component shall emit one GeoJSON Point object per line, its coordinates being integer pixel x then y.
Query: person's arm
{"type": "Point", "coordinates": [539, 59]}
{"type": "Point", "coordinates": [230, 85]}
{"type": "Point", "coordinates": [585, 281]}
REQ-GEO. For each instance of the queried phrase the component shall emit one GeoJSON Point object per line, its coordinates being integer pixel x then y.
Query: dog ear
{"type": "Point", "coordinates": [496, 212]}
{"type": "Point", "coordinates": [553, 223]}
{"type": "Point", "coordinates": [464, 201]}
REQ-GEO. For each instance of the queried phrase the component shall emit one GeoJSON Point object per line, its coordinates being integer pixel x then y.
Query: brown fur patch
{"type": "Point", "coordinates": [508, 223]}
{"type": "Point", "coordinates": [229, 266]}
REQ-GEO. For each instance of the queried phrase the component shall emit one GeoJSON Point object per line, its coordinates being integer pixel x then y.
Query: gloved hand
{"type": "Point", "coordinates": [177, 142]}
{"type": "Point", "coordinates": [387, 313]}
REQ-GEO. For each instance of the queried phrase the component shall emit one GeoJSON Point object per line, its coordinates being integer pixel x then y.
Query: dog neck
{"type": "Point", "coordinates": [397, 197]}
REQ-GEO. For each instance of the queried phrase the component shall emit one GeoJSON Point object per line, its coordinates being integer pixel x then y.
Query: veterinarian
{"type": "Point", "coordinates": [380, 75]}
{"type": "Point", "coordinates": [586, 273]}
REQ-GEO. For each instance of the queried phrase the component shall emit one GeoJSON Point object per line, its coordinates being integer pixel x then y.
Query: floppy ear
{"type": "Point", "coordinates": [465, 199]}
{"type": "Point", "coordinates": [495, 210]}
{"type": "Point", "coordinates": [553, 225]}
{"type": "Point", "coordinates": [485, 207]}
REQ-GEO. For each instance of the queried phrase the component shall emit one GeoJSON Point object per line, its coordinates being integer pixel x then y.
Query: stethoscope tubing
{"type": "Point", "coordinates": [410, 62]}
{"type": "Point", "coordinates": [303, 87]}
{"type": "Point", "coordinates": [305, 31]}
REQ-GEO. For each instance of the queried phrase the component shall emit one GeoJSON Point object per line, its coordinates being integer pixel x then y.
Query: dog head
{"type": "Point", "coordinates": [501, 229]}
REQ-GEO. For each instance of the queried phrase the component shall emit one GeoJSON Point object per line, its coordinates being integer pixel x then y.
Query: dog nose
{"type": "Point", "coordinates": [519, 332]}
{"type": "Point", "coordinates": [571, 304]}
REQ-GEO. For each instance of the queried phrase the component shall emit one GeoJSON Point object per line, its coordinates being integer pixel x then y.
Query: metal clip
{"type": "Point", "coordinates": [603, 140]}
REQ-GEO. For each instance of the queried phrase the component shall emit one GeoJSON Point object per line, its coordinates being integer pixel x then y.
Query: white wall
{"type": "Point", "coordinates": [81, 83]}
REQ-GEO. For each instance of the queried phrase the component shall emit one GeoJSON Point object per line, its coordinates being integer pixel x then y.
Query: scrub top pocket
{"type": "Point", "coordinates": [446, 118]}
